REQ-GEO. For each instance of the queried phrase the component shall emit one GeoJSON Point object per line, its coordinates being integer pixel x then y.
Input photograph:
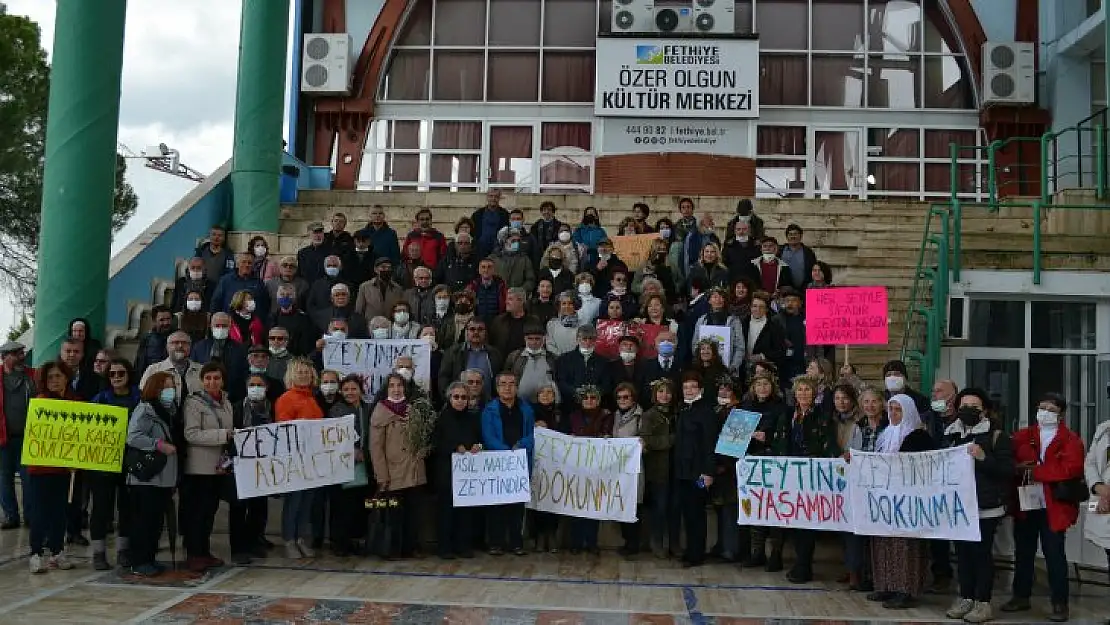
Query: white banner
{"type": "Point", "coordinates": [372, 360]}
{"type": "Point", "coordinates": [914, 495]}
{"type": "Point", "coordinates": [678, 78]}
{"type": "Point", "coordinates": [593, 478]}
{"type": "Point", "coordinates": [490, 478]}
{"type": "Point", "coordinates": [805, 493]}
{"type": "Point", "coordinates": [294, 455]}
{"type": "Point", "coordinates": [625, 135]}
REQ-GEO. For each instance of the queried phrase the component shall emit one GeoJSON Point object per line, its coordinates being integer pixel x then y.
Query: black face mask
{"type": "Point", "coordinates": [589, 220]}
{"type": "Point", "coordinates": [969, 416]}
{"type": "Point", "coordinates": [385, 275]}
{"type": "Point", "coordinates": [555, 263]}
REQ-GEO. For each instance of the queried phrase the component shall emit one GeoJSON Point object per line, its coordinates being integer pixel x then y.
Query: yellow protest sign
{"type": "Point", "coordinates": [634, 249]}
{"type": "Point", "coordinates": [75, 435]}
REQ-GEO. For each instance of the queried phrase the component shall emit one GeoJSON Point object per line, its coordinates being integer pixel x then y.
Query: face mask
{"type": "Point", "coordinates": [665, 233]}
{"type": "Point", "coordinates": [605, 255]}
{"type": "Point", "coordinates": [255, 369]}
{"type": "Point", "coordinates": [533, 351]}
{"type": "Point", "coordinates": [362, 249]}
{"type": "Point", "coordinates": [555, 263]}
{"type": "Point", "coordinates": [385, 275]}
{"type": "Point", "coordinates": [260, 251]}
{"type": "Point", "coordinates": [338, 335]}
{"type": "Point", "coordinates": [514, 246]}
{"type": "Point", "coordinates": [193, 305]}
{"type": "Point", "coordinates": [743, 238]}
{"type": "Point", "coordinates": [442, 305]}
{"type": "Point", "coordinates": [516, 223]}
{"type": "Point", "coordinates": [939, 405]}
{"type": "Point", "coordinates": [285, 302]}
{"type": "Point", "coordinates": [250, 306]}
{"type": "Point", "coordinates": [256, 393]}
{"type": "Point", "coordinates": [767, 258]}
{"type": "Point", "coordinates": [401, 317]}
{"type": "Point", "coordinates": [586, 351]}
{"type": "Point", "coordinates": [723, 401]}
{"type": "Point", "coordinates": [167, 396]}
{"type": "Point", "coordinates": [381, 333]}
{"type": "Point", "coordinates": [220, 334]}
{"type": "Point", "coordinates": [329, 388]}
{"type": "Point", "coordinates": [894, 383]}
{"type": "Point", "coordinates": [969, 416]}
{"type": "Point", "coordinates": [1047, 418]}
{"type": "Point", "coordinates": [666, 348]}
{"type": "Point", "coordinates": [279, 351]}
{"type": "Point", "coordinates": [431, 341]}
{"type": "Point", "coordinates": [405, 372]}
{"type": "Point", "coordinates": [744, 218]}
{"type": "Point", "coordinates": [585, 289]}
{"type": "Point", "coordinates": [195, 275]}
{"type": "Point", "coordinates": [177, 356]}
{"type": "Point", "coordinates": [331, 271]}
{"type": "Point", "coordinates": [628, 356]}
{"type": "Point", "coordinates": [564, 236]}
{"type": "Point", "coordinates": [589, 220]}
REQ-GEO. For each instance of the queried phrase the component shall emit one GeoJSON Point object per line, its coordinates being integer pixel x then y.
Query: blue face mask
{"type": "Point", "coordinates": [331, 271]}
{"type": "Point", "coordinates": [514, 246]}
{"type": "Point", "coordinates": [285, 302]}
{"type": "Point", "coordinates": [666, 348]}
{"type": "Point", "coordinates": [516, 223]}
{"type": "Point", "coordinates": [167, 395]}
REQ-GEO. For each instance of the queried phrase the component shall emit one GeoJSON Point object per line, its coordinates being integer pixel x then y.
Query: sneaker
{"type": "Point", "coordinates": [960, 607]}
{"type": "Point", "coordinates": [292, 552]}
{"type": "Point", "coordinates": [59, 561]}
{"type": "Point", "coordinates": [1016, 604]}
{"type": "Point", "coordinates": [100, 561]}
{"type": "Point", "coordinates": [981, 613]}
{"type": "Point", "coordinates": [306, 551]}
{"type": "Point", "coordinates": [37, 564]}
{"type": "Point", "coordinates": [146, 570]}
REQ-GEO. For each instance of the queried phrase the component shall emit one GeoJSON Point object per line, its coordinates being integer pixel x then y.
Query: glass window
{"type": "Point", "coordinates": [937, 142]}
{"type": "Point", "coordinates": [938, 178]}
{"type": "Point", "coordinates": [837, 80]}
{"type": "Point", "coordinates": [894, 176]}
{"type": "Point", "coordinates": [1063, 325]}
{"type": "Point", "coordinates": [460, 23]}
{"type": "Point", "coordinates": [946, 85]}
{"type": "Point", "coordinates": [938, 35]}
{"type": "Point", "coordinates": [406, 135]}
{"type": "Point", "coordinates": [560, 135]}
{"type": "Point", "coordinates": [1075, 376]}
{"type": "Point", "coordinates": [895, 26]}
{"type": "Point", "coordinates": [783, 79]}
{"type": "Point", "coordinates": [459, 169]}
{"type": "Point", "coordinates": [458, 75]}
{"type": "Point", "coordinates": [1001, 379]}
{"type": "Point", "coordinates": [407, 78]}
{"type": "Point", "coordinates": [744, 15]}
{"type": "Point", "coordinates": [997, 323]}
{"type": "Point", "coordinates": [418, 26]}
{"type": "Point", "coordinates": [780, 140]}
{"type": "Point", "coordinates": [402, 168]}
{"type": "Point", "coordinates": [568, 76]}
{"type": "Point", "coordinates": [894, 142]}
{"type": "Point", "coordinates": [780, 177]}
{"type": "Point", "coordinates": [563, 21]}
{"type": "Point", "coordinates": [457, 135]}
{"type": "Point", "coordinates": [510, 155]}
{"type": "Point", "coordinates": [514, 22]}
{"type": "Point", "coordinates": [782, 25]}
{"type": "Point", "coordinates": [513, 76]}
{"type": "Point", "coordinates": [837, 24]}
{"type": "Point", "coordinates": [894, 81]}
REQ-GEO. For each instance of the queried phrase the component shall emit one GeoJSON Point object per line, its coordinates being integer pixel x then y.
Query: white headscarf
{"type": "Point", "coordinates": [890, 441]}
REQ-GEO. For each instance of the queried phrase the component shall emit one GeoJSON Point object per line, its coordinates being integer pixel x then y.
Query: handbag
{"type": "Point", "coordinates": [143, 465]}
{"type": "Point", "coordinates": [1030, 494]}
{"type": "Point", "coordinates": [1074, 491]}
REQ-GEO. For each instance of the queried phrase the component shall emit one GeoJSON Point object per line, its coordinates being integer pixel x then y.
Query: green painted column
{"type": "Point", "coordinates": [80, 171]}
{"type": "Point", "coordinates": [259, 113]}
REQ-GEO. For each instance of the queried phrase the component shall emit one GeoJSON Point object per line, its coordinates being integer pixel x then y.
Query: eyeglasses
{"type": "Point", "coordinates": [460, 397]}
{"type": "Point", "coordinates": [117, 374]}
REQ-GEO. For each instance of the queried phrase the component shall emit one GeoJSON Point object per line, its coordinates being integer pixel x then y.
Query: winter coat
{"type": "Point", "coordinates": [493, 436]}
{"type": "Point", "coordinates": [657, 428]}
{"type": "Point", "coordinates": [433, 245]}
{"type": "Point", "coordinates": [394, 464]}
{"type": "Point", "coordinates": [771, 415]}
{"type": "Point", "coordinates": [695, 439]}
{"type": "Point", "coordinates": [516, 269]}
{"type": "Point", "coordinates": [1063, 460]}
{"type": "Point", "coordinates": [818, 432]}
{"type": "Point", "coordinates": [144, 431]}
{"type": "Point", "coordinates": [736, 328]}
{"type": "Point", "coordinates": [1096, 527]}
{"type": "Point", "coordinates": [371, 302]}
{"type": "Point", "coordinates": [207, 425]}
{"type": "Point", "coordinates": [994, 474]}
{"type": "Point", "coordinates": [384, 241]}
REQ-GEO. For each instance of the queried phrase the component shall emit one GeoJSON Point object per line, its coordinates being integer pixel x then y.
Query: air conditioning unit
{"type": "Point", "coordinates": [1009, 73]}
{"type": "Point", "coordinates": [633, 16]}
{"type": "Point", "coordinates": [715, 16]}
{"type": "Point", "coordinates": [674, 19]}
{"type": "Point", "coordinates": [326, 64]}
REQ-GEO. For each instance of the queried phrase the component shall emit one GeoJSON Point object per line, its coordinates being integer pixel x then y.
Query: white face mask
{"type": "Point", "coordinates": [250, 306]}
{"type": "Point", "coordinates": [743, 238]}
{"type": "Point", "coordinates": [723, 401]}
{"type": "Point", "coordinates": [260, 250]}
{"type": "Point", "coordinates": [564, 236]}
{"type": "Point", "coordinates": [939, 405]}
{"type": "Point", "coordinates": [768, 258]}
{"type": "Point", "coordinates": [401, 317]}
{"type": "Point", "coordinates": [431, 341]}
{"type": "Point", "coordinates": [628, 356]}
{"type": "Point", "coordinates": [605, 255]}
{"type": "Point", "coordinates": [256, 393]}
{"type": "Point", "coordinates": [381, 333]}
{"type": "Point", "coordinates": [585, 289]}
{"type": "Point", "coordinates": [329, 388]}
{"type": "Point", "coordinates": [665, 233]}
{"type": "Point", "coordinates": [894, 383]}
{"type": "Point", "coordinates": [586, 351]}
{"type": "Point", "coordinates": [744, 218]}
{"type": "Point", "coordinates": [220, 333]}
{"type": "Point", "coordinates": [405, 372]}
{"type": "Point", "coordinates": [1047, 418]}
{"type": "Point", "coordinates": [178, 356]}
{"type": "Point", "coordinates": [279, 351]}
{"type": "Point", "coordinates": [195, 275]}
{"type": "Point", "coordinates": [442, 305]}
{"type": "Point", "coordinates": [193, 305]}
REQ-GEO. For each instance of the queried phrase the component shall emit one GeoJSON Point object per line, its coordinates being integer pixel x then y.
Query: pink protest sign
{"type": "Point", "coordinates": [848, 315]}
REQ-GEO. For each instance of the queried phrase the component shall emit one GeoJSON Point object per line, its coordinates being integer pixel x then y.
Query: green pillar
{"type": "Point", "coordinates": [80, 171]}
{"type": "Point", "coordinates": [259, 112]}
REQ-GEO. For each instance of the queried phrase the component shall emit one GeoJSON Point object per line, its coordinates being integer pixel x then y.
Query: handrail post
{"type": "Point", "coordinates": [1036, 243]}
{"type": "Point", "coordinates": [954, 169]}
{"type": "Point", "coordinates": [992, 175]}
{"type": "Point", "coordinates": [1100, 162]}
{"type": "Point", "coordinates": [957, 243]}
{"type": "Point", "coordinates": [932, 337]}
{"type": "Point", "coordinates": [1045, 138]}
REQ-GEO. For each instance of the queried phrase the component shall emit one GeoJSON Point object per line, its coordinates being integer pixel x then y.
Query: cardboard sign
{"type": "Point", "coordinates": [294, 455]}
{"type": "Point", "coordinates": [850, 315]}
{"type": "Point", "coordinates": [75, 435]}
{"type": "Point", "coordinates": [592, 478]}
{"type": "Point", "coordinates": [722, 336]}
{"type": "Point", "coordinates": [915, 495]}
{"type": "Point", "coordinates": [736, 435]}
{"type": "Point", "coordinates": [490, 478]}
{"type": "Point", "coordinates": [372, 360]}
{"type": "Point", "coordinates": [808, 493]}
{"type": "Point", "coordinates": [634, 249]}
{"type": "Point", "coordinates": [609, 333]}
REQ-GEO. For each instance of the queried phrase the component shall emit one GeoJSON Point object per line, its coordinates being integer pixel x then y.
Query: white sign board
{"type": "Point", "coordinates": [592, 478]}
{"type": "Point", "coordinates": [914, 495]}
{"type": "Point", "coordinates": [372, 360]}
{"type": "Point", "coordinates": [677, 78]}
{"type": "Point", "coordinates": [722, 336]}
{"type": "Point", "coordinates": [294, 455]}
{"type": "Point", "coordinates": [627, 135]}
{"type": "Point", "coordinates": [490, 478]}
{"type": "Point", "coordinates": [793, 492]}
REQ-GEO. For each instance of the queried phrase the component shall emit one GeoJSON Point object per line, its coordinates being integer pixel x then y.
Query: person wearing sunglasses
{"type": "Point", "coordinates": [458, 430]}
{"type": "Point", "coordinates": [109, 490]}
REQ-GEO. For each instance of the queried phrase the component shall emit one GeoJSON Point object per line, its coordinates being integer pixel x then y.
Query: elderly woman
{"type": "Point", "coordinates": [591, 420]}
{"type": "Point", "coordinates": [457, 431]}
{"type": "Point", "coordinates": [404, 326]}
{"type": "Point", "coordinates": [900, 563]}
{"type": "Point", "coordinates": [299, 402]}
{"type": "Point", "coordinates": [347, 521]}
{"type": "Point", "coordinates": [246, 327]}
{"type": "Point", "coordinates": [109, 490]}
{"type": "Point", "coordinates": [720, 316]}
{"type": "Point", "coordinates": [657, 430]}
{"type": "Point", "coordinates": [150, 430]}
{"type": "Point", "coordinates": [562, 331]}
{"type": "Point", "coordinates": [48, 487]}
{"type": "Point", "coordinates": [763, 397]}
{"type": "Point", "coordinates": [209, 426]}
{"type": "Point", "coordinates": [864, 437]}
{"type": "Point", "coordinates": [1097, 470]}
{"type": "Point", "coordinates": [400, 438]}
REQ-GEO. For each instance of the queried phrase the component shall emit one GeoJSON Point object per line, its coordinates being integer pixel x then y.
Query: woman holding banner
{"type": "Point", "coordinates": [299, 402]}
{"type": "Point", "coordinates": [348, 514]}
{"type": "Point", "coordinates": [593, 421]}
{"type": "Point", "coordinates": [247, 517]}
{"type": "Point", "coordinates": [457, 431]}
{"type": "Point", "coordinates": [765, 398]}
{"type": "Point", "coordinates": [864, 438]}
{"type": "Point", "coordinates": [657, 430]}
{"type": "Point", "coordinates": [49, 487]}
{"type": "Point", "coordinates": [900, 563]}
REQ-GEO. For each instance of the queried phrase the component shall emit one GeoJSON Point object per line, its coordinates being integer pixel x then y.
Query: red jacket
{"type": "Point", "coordinates": [256, 333]}
{"type": "Point", "coordinates": [433, 245]}
{"type": "Point", "coordinates": [1062, 461]}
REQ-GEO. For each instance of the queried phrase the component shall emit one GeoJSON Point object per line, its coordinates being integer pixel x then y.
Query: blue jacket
{"type": "Point", "coordinates": [588, 236]}
{"type": "Point", "coordinates": [493, 436]}
{"type": "Point", "coordinates": [384, 242]}
{"type": "Point", "coordinates": [108, 397]}
{"type": "Point", "coordinates": [231, 284]}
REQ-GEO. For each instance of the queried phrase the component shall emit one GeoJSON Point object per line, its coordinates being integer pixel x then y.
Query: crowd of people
{"type": "Point", "coordinates": [510, 312]}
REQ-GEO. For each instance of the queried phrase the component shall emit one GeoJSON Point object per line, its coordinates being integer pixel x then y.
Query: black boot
{"type": "Point", "coordinates": [1060, 613]}
{"type": "Point", "coordinates": [774, 563]}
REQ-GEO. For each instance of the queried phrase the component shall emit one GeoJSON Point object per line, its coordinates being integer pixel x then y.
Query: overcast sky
{"type": "Point", "coordinates": [179, 73]}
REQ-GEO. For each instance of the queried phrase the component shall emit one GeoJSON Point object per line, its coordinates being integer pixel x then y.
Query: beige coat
{"type": "Point", "coordinates": [371, 303]}
{"type": "Point", "coordinates": [392, 461]}
{"type": "Point", "coordinates": [207, 425]}
{"type": "Point", "coordinates": [1096, 527]}
{"type": "Point", "coordinates": [192, 375]}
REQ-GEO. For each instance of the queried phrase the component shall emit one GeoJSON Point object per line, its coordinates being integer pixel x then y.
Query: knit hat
{"type": "Point", "coordinates": [895, 366]}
